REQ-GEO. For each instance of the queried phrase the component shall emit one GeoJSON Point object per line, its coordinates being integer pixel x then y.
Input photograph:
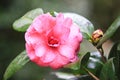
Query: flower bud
{"type": "Point", "coordinates": [96, 36]}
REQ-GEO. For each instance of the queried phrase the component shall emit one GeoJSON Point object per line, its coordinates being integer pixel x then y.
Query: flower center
{"type": "Point", "coordinates": [53, 42]}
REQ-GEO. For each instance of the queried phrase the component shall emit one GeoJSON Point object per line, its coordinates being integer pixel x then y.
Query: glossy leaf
{"type": "Point", "coordinates": [95, 63]}
{"type": "Point", "coordinates": [16, 64]}
{"type": "Point", "coordinates": [85, 59]}
{"type": "Point", "coordinates": [33, 13]}
{"type": "Point", "coordinates": [23, 23]}
{"type": "Point", "coordinates": [69, 76]}
{"type": "Point", "coordinates": [110, 31]}
{"type": "Point", "coordinates": [74, 65]}
{"type": "Point", "coordinates": [82, 61]}
{"type": "Point", "coordinates": [86, 46]}
{"type": "Point", "coordinates": [86, 27]}
{"type": "Point", "coordinates": [108, 71]}
{"type": "Point", "coordinates": [118, 46]}
{"type": "Point", "coordinates": [115, 53]}
{"type": "Point", "coordinates": [63, 75]}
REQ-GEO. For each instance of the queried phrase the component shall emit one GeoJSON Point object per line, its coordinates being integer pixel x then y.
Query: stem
{"type": "Point", "coordinates": [102, 53]}
{"type": "Point", "coordinates": [91, 74]}
{"type": "Point", "coordinates": [111, 30]}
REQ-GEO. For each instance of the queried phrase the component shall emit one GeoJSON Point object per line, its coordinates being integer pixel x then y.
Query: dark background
{"type": "Point", "coordinates": [100, 12]}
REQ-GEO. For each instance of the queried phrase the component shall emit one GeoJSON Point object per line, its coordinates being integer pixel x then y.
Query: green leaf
{"type": "Point", "coordinates": [69, 76]}
{"type": "Point", "coordinates": [24, 22]}
{"type": "Point", "coordinates": [86, 46]}
{"type": "Point", "coordinates": [115, 52]}
{"type": "Point", "coordinates": [16, 64]}
{"type": "Point", "coordinates": [110, 31]}
{"type": "Point", "coordinates": [33, 13]}
{"type": "Point", "coordinates": [86, 27]}
{"type": "Point", "coordinates": [85, 59]}
{"type": "Point", "coordinates": [108, 71]}
{"type": "Point", "coordinates": [63, 75]}
{"type": "Point", "coordinates": [82, 61]}
{"type": "Point", "coordinates": [119, 46]}
{"type": "Point", "coordinates": [74, 65]}
{"type": "Point", "coordinates": [95, 63]}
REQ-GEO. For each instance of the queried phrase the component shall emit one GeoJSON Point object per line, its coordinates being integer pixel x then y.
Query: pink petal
{"type": "Point", "coordinates": [44, 23]}
{"type": "Point", "coordinates": [37, 24]}
{"type": "Point", "coordinates": [75, 33]}
{"type": "Point", "coordinates": [67, 22]}
{"type": "Point", "coordinates": [60, 18]}
{"type": "Point", "coordinates": [31, 29]}
{"type": "Point", "coordinates": [74, 59]}
{"type": "Point", "coordinates": [40, 63]}
{"type": "Point", "coordinates": [49, 56]}
{"type": "Point", "coordinates": [62, 27]}
{"type": "Point", "coordinates": [30, 51]}
{"type": "Point", "coordinates": [31, 38]}
{"type": "Point", "coordinates": [67, 51]}
{"type": "Point", "coordinates": [75, 37]}
{"type": "Point", "coordinates": [40, 50]}
{"type": "Point", "coordinates": [33, 57]}
{"type": "Point", "coordinates": [59, 61]}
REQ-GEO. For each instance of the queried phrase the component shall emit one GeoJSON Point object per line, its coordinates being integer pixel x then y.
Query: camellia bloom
{"type": "Point", "coordinates": [53, 41]}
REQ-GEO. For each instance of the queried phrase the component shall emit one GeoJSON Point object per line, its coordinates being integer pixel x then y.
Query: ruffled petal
{"type": "Point", "coordinates": [32, 38]}
{"type": "Point", "coordinates": [44, 23]}
{"type": "Point", "coordinates": [40, 63]}
{"type": "Point", "coordinates": [30, 51]}
{"type": "Point", "coordinates": [75, 33]}
{"type": "Point", "coordinates": [75, 38]}
{"type": "Point", "coordinates": [67, 51]}
{"type": "Point", "coordinates": [59, 62]}
{"type": "Point", "coordinates": [49, 56]}
{"type": "Point", "coordinates": [33, 57]}
{"type": "Point", "coordinates": [62, 28]}
{"type": "Point", "coordinates": [40, 50]}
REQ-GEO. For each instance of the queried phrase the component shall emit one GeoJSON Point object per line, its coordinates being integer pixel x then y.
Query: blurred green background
{"type": "Point", "coordinates": [100, 12]}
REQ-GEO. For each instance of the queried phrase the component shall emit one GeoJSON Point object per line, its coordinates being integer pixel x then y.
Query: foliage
{"type": "Point", "coordinates": [16, 64]}
{"type": "Point", "coordinates": [89, 66]}
{"type": "Point", "coordinates": [25, 21]}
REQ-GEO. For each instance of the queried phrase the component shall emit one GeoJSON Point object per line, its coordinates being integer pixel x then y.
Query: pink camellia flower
{"type": "Point", "coordinates": [53, 41]}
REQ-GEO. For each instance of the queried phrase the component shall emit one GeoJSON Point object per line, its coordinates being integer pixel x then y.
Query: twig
{"type": "Point", "coordinates": [102, 53]}
{"type": "Point", "coordinates": [91, 74]}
